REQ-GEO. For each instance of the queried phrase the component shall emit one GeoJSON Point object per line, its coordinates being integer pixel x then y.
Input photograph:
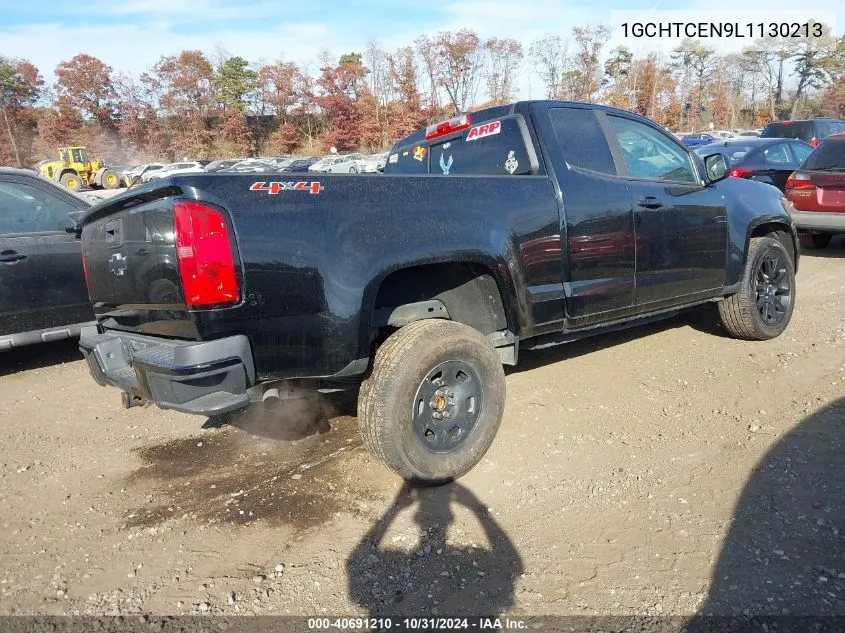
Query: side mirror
{"type": "Point", "coordinates": [716, 167]}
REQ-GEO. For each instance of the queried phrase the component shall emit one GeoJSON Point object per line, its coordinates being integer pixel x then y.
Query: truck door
{"type": "Point", "coordinates": [681, 225]}
{"type": "Point", "coordinates": [597, 222]}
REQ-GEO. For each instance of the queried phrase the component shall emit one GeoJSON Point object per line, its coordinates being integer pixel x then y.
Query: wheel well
{"type": "Point", "coordinates": [72, 172]}
{"type": "Point", "coordinates": [782, 233]}
{"type": "Point", "coordinates": [468, 292]}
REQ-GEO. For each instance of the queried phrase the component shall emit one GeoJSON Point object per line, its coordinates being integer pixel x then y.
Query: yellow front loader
{"type": "Point", "coordinates": [73, 169]}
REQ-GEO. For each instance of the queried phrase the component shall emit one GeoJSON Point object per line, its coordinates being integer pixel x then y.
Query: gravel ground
{"type": "Point", "coordinates": [663, 470]}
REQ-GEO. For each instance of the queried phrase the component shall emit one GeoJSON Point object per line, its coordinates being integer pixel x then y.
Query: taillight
{"type": "Point", "coordinates": [85, 274]}
{"type": "Point", "coordinates": [204, 252]}
{"type": "Point", "coordinates": [799, 180]}
{"type": "Point", "coordinates": [447, 127]}
{"type": "Point", "coordinates": [814, 142]}
{"type": "Point", "coordinates": [741, 172]}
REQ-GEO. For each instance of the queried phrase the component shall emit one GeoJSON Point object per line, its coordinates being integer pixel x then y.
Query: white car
{"type": "Point", "coordinates": [724, 134]}
{"type": "Point", "coordinates": [172, 169]}
{"type": "Point", "coordinates": [346, 164]}
{"type": "Point", "coordinates": [140, 170]}
{"type": "Point", "coordinates": [371, 164]}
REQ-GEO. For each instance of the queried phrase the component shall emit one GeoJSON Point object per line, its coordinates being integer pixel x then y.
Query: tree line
{"type": "Point", "coordinates": [199, 105]}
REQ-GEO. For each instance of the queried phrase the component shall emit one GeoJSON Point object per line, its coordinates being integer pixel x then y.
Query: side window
{"type": "Point", "coordinates": [581, 140]}
{"type": "Point", "coordinates": [776, 155]}
{"type": "Point", "coordinates": [801, 151]}
{"type": "Point", "coordinates": [77, 156]}
{"type": "Point", "coordinates": [651, 154]}
{"type": "Point", "coordinates": [28, 209]}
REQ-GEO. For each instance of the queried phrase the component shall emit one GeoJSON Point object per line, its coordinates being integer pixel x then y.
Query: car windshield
{"type": "Point", "coordinates": [829, 156]}
{"type": "Point", "coordinates": [734, 152]}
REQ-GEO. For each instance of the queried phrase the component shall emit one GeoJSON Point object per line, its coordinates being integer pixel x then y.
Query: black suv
{"type": "Point", "coordinates": [812, 131]}
{"type": "Point", "coordinates": [43, 296]}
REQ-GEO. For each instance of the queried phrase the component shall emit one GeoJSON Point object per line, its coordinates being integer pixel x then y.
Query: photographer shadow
{"type": "Point", "coordinates": [433, 578]}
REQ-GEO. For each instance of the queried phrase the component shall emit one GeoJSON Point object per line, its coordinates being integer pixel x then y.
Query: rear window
{"type": "Point", "coordinates": [735, 152]}
{"type": "Point", "coordinates": [581, 139]}
{"type": "Point", "coordinates": [829, 155]}
{"type": "Point", "coordinates": [802, 130]}
{"type": "Point", "coordinates": [499, 153]}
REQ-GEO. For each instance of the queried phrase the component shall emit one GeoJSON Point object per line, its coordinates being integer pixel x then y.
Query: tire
{"type": "Point", "coordinates": [109, 180]}
{"type": "Point", "coordinates": [399, 401]}
{"type": "Point", "coordinates": [762, 309]}
{"type": "Point", "coordinates": [71, 181]}
{"type": "Point", "coordinates": [813, 241]}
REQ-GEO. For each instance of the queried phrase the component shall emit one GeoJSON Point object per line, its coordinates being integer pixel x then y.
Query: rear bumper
{"type": "Point", "coordinates": [206, 378]}
{"type": "Point", "coordinates": [819, 221]}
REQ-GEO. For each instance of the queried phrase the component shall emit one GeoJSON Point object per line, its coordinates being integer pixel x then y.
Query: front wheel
{"type": "Point", "coordinates": [814, 240]}
{"type": "Point", "coordinates": [763, 307]}
{"type": "Point", "coordinates": [434, 401]}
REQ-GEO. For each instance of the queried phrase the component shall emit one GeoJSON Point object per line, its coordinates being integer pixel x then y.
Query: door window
{"type": "Point", "coordinates": [581, 140]}
{"type": "Point", "coordinates": [28, 209]}
{"type": "Point", "coordinates": [801, 151]}
{"type": "Point", "coordinates": [777, 155]}
{"type": "Point", "coordinates": [650, 154]}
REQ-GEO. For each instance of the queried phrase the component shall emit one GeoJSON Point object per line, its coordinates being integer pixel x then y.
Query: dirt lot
{"type": "Point", "coordinates": [661, 470]}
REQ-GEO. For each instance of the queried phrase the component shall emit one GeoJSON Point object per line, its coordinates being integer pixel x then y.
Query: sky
{"type": "Point", "coordinates": [132, 36]}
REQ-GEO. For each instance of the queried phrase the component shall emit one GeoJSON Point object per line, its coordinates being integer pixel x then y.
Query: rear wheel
{"type": "Point", "coordinates": [434, 401]}
{"type": "Point", "coordinates": [763, 306]}
{"type": "Point", "coordinates": [814, 240]}
{"type": "Point", "coordinates": [71, 181]}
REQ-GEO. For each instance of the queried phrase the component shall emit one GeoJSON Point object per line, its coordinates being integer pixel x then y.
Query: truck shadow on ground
{"type": "Point", "coordinates": [430, 576]}
{"type": "Point", "coordinates": [836, 249]}
{"type": "Point", "coordinates": [39, 356]}
{"type": "Point", "coordinates": [703, 318]}
{"type": "Point", "coordinates": [785, 551]}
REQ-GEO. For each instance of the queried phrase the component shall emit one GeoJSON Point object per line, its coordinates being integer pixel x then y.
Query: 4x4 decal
{"type": "Point", "coordinates": [287, 185]}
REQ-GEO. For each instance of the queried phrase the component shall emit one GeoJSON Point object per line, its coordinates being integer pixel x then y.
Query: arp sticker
{"type": "Point", "coordinates": [419, 153]}
{"type": "Point", "coordinates": [394, 158]}
{"type": "Point", "coordinates": [487, 129]}
{"type": "Point", "coordinates": [273, 188]}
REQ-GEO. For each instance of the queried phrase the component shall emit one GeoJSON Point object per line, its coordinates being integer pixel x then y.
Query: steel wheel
{"type": "Point", "coordinates": [447, 406]}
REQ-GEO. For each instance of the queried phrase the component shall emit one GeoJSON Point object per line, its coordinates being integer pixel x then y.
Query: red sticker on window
{"type": "Point", "coordinates": [487, 129]}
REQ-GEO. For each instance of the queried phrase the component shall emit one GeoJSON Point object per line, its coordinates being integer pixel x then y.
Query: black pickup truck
{"type": "Point", "coordinates": [512, 228]}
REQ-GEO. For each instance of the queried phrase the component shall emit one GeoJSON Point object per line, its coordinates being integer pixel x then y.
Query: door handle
{"type": "Point", "coordinates": [649, 202]}
{"type": "Point", "coordinates": [11, 257]}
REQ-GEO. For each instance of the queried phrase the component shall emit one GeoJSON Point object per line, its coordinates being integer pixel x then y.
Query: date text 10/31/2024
{"type": "Point", "coordinates": [705, 30]}
{"type": "Point", "coordinates": [421, 623]}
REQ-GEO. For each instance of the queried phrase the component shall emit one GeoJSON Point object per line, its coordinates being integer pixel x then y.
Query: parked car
{"type": "Point", "coordinates": [301, 164]}
{"type": "Point", "coordinates": [722, 134]}
{"type": "Point", "coordinates": [172, 169]}
{"type": "Point", "coordinates": [138, 171]}
{"type": "Point", "coordinates": [691, 140]}
{"type": "Point", "coordinates": [817, 190]}
{"type": "Point", "coordinates": [43, 296]}
{"type": "Point", "coordinates": [252, 165]}
{"type": "Point", "coordinates": [372, 164]}
{"type": "Point", "coordinates": [345, 164]}
{"type": "Point", "coordinates": [751, 133]}
{"type": "Point", "coordinates": [769, 160]}
{"type": "Point", "coordinates": [418, 289]}
{"type": "Point", "coordinates": [813, 131]}
{"type": "Point", "coordinates": [217, 165]}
